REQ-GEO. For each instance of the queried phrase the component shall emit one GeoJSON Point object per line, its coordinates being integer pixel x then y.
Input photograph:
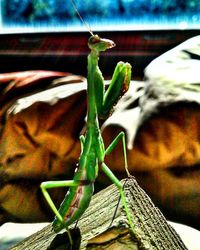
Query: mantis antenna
{"type": "Point", "coordinates": [86, 25]}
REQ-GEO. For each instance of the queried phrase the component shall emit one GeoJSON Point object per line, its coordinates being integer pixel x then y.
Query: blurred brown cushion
{"type": "Point", "coordinates": [39, 139]}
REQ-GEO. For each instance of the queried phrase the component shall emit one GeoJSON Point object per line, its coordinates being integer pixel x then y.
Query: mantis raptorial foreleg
{"type": "Point", "coordinates": [117, 87]}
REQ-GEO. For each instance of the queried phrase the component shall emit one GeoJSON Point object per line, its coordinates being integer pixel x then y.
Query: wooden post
{"type": "Point", "coordinates": [104, 225]}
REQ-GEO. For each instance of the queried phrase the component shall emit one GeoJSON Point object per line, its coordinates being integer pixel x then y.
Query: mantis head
{"type": "Point", "coordinates": [100, 44]}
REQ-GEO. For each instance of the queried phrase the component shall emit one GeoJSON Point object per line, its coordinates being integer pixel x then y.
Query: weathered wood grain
{"type": "Point", "coordinates": [104, 225]}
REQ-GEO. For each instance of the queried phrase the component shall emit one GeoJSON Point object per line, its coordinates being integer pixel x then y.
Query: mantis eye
{"type": "Point", "coordinates": [94, 39]}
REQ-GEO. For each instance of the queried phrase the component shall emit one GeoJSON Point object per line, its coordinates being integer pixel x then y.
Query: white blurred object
{"type": "Point", "coordinates": [189, 235]}
{"type": "Point", "coordinates": [20, 230]}
{"type": "Point", "coordinates": [177, 66]}
{"type": "Point", "coordinates": [11, 233]}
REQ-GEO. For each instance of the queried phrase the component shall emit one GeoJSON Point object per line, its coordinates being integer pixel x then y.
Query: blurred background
{"type": "Point", "coordinates": [128, 14]}
{"type": "Point", "coordinates": [48, 35]}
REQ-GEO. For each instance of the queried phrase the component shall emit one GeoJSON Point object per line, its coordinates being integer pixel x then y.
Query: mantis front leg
{"type": "Point", "coordinates": [105, 100]}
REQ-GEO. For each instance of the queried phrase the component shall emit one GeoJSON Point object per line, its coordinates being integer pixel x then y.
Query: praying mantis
{"type": "Point", "coordinates": [100, 102]}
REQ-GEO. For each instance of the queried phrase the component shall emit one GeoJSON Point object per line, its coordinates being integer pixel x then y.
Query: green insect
{"type": "Point", "coordinates": [93, 152]}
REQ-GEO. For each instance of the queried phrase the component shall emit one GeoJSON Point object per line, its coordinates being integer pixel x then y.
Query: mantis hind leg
{"type": "Point", "coordinates": [55, 184]}
{"type": "Point", "coordinates": [111, 147]}
{"type": "Point", "coordinates": [118, 184]}
{"type": "Point", "coordinates": [113, 178]}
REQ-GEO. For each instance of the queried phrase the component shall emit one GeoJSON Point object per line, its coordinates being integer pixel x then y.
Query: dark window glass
{"type": "Point", "coordinates": [106, 14]}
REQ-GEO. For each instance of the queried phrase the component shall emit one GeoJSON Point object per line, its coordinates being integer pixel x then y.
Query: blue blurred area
{"type": "Point", "coordinates": [101, 13]}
